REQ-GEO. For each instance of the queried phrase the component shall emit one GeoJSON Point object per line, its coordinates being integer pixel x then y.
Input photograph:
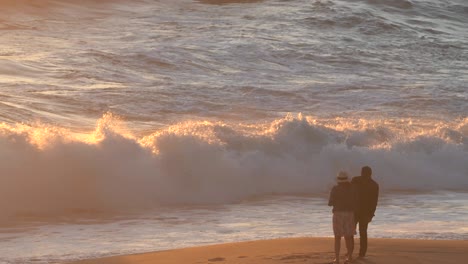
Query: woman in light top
{"type": "Point", "coordinates": [343, 199]}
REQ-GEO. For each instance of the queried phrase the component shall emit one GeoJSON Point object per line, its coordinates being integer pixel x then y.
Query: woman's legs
{"type": "Point", "coordinates": [349, 246]}
{"type": "Point", "coordinates": [337, 248]}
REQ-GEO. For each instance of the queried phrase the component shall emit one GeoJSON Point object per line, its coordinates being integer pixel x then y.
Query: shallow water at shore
{"type": "Point", "coordinates": [440, 215]}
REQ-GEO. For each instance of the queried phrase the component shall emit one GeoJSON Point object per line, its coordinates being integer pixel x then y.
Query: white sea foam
{"type": "Point", "coordinates": [47, 170]}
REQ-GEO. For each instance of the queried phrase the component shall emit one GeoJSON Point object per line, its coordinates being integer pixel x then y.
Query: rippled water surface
{"type": "Point", "coordinates": [158, 62]}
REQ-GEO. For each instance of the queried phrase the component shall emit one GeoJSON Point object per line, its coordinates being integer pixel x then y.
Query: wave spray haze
{"type": "Point", "coordinates": [47, 170]}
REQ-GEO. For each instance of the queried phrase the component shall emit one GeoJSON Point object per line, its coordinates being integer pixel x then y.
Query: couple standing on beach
{"type": "Point", "coordinates": [354, 202]}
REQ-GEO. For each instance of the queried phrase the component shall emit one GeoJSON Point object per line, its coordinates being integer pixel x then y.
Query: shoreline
{"type": "Point", "coordinates": [301, 250]}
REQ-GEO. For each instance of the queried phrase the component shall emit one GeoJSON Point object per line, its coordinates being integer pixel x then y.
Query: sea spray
{"type": "Point", "coordinates": [47, 170]}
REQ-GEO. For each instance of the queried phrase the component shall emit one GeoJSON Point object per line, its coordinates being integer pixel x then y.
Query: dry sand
{"type": "Point", "coordinates": [302, 250]}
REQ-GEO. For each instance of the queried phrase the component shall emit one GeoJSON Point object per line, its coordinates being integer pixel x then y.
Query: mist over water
{"type": "Point", "coordinates": [47, 171]}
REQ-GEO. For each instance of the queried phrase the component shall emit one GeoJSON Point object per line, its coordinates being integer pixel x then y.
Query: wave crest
{"type": "Point", "coordinates": [50, 170]}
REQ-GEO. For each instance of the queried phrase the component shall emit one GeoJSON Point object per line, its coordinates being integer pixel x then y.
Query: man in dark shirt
{"type": "Point", "coordinates": [368, 195]}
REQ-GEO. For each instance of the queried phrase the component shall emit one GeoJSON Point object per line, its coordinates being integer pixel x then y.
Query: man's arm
{"type": "Point", "coordinates": [375, 199]}
{"type": "Point", "coordinates": [355, 198]}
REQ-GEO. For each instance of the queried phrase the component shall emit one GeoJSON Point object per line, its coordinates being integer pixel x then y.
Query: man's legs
{"type": "Point", "coordinates": [363, 223]}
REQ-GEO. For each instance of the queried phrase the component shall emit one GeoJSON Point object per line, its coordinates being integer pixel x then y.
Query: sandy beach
{"type": "Point", "coordinates": [302, 250]}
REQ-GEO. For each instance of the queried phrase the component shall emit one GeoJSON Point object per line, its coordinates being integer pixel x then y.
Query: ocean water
{"type": "Point", "coordinates": [131, 126]}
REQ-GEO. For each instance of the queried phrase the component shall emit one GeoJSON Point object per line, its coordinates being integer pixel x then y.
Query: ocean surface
{"type": "Point", "coordinates": [133, 126]}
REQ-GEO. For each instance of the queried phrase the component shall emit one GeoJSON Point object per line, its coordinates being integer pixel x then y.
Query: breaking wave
{"type": "Point", "coordinates": [49, 170]}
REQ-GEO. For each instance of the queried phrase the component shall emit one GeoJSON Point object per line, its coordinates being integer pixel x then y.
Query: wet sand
{"type": "Point", "coordinates": [302, 250]}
